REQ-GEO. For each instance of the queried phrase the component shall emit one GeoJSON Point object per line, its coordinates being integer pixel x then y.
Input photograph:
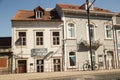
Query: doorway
{"type": "Point", "coordinates": [110, 60]}
{"type": "Point", "coordinates": [22, 66]}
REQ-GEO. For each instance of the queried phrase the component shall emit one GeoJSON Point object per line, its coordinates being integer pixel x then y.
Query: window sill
{"type": "Point", "coordinates": [21, 46]}
{"type": "Point", "coordinates": [108, 39]}
{"type": "Point", "coordinates": [71, 39]}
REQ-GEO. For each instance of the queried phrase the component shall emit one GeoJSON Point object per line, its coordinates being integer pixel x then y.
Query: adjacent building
{"type": "Point", "coordinates": [5, 55]}
{"type": "Point", "coordinates": [45, 40]}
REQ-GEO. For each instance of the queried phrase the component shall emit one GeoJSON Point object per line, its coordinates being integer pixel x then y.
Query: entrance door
{"type": "Point", "coordinates": [57, 66]}
{"type": "Point", "coordinates": [109, 59]}
{"type": "Point", "coordinates": [40, 66]}
{"type": "Point", "coordinates": [21, 66]}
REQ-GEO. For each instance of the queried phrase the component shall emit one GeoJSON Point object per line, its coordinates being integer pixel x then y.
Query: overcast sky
{"type": "Point", "coordinates": [8, 9]}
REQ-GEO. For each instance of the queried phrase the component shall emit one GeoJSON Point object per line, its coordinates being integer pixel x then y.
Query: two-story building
{"type": "Point", "coordinates": [46, 40]}
{"type": "Point", "coordinates": [76, 37]}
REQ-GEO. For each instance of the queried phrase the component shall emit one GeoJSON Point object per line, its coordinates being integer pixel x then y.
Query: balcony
{"type": "Point", "coordinates": [95, 44]}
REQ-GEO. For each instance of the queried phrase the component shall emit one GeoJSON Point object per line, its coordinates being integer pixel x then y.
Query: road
{"type": "Point", "coordinates": [73, 75]}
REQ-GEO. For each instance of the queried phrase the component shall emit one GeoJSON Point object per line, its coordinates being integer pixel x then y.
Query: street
{"type": "Point", "coordinates": [73, 75]}
{"type": "Point", "coordinates": [103, 76]}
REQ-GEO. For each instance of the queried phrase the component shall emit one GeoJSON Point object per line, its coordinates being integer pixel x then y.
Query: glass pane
{"type": "Point", "coordinates": [22, 34]}
{"type": "Point", "coordinates": [55, 33]}
{"type": "Point", "coordinates": [71, 30]}
{"type": "Point", "coordinates": [72, 58]}
{"type": "Point", "coordinates": [39, 33]}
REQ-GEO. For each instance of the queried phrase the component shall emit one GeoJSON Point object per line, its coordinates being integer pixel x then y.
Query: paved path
{"type": "Point", "coordinates": [44, 76]}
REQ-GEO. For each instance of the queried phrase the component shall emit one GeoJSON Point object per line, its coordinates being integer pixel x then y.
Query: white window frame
{"type": "Point", "coordinates": [106, 31]}
{"type": "Point", "coordinates": [39, 37]}
{"type": "Point", "coordinates": [69, 60]}
{"type": "Point", "coordinates": [39, 14]}
{"type": "Point", "coordinates": [118, 41]}
{"type": "Point", "coordinates": [35, 31]}
{"type": "Point", "coordinates": [68, 34]}
{"type": "Point", "coordinates": [51, 38]}
{"type": "Point", "coordinates": [88, 31]}
{"type": "Point", "coordinates": [19, 37]}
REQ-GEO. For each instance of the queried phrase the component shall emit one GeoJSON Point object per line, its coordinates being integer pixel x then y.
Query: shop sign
{"type": "Point", "coordinates": [39, 52]}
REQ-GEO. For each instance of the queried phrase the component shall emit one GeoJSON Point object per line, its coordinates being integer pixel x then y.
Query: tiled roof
{"type": "Point", "coordinates": [30, 15]}
{"type": "Point", "coordinates": [76, 7]}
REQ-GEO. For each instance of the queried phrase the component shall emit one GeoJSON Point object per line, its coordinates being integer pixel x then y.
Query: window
{"type": "Point", "coordinates": [56, 63]}
{"type": "Point", "coordinates": [72, 58]}
{"type": "Point", "coordinates": [38, 14]}
{"type": "Point", "coordinates": [71, 30]}
{"type": "Point", "coordinates": [118, 37]}
{"type": "Point", "coordinates": [92, 31]}
{"type": "Point", "coordinates": [56, 38]}
{"type": "Point", "coordinates": [22, 37]}
{"type": "Point", "coordinates": [39, 38]}
{"type": "Point", "coordinates": [108, 31]}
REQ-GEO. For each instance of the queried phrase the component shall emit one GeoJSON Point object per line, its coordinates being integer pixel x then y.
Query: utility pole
{"type": "Point", "coordinates": [88, 16]}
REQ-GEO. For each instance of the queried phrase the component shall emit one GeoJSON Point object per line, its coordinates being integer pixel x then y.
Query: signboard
{"type": "Point", "coordinates": [38, 52]}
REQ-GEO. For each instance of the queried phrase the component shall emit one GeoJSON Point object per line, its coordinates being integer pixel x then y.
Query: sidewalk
{"type": "Point", "coordinates": [33, 76]}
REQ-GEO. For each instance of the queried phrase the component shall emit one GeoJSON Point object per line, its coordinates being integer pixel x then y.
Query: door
{"type": "Point", "coordinates": [40, 66]}
{"type": "Point", "coordinates": [57, 66]}
{"type": "Point", "coordinates": [110, 60]}
{"type": "Point", "coordinates": [22, 66]}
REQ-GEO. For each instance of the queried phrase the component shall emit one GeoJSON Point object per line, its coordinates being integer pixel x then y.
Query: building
{"type": "Point", "coordinates": [46, 40]}
{"type": "Point", "coordinates": [5, 55]}
{"type": "Point", "coordinates": [116, 27]}
{"type": "Point", "coordinates": [77, 36]}
{"type": "Point", "coordinates": [37, 41]}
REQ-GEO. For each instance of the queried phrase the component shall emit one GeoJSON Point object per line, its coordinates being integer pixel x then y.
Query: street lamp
{"type": "Point", "coordinates": [88, 16]}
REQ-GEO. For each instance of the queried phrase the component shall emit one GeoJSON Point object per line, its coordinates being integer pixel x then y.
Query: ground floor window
{"type": "Point", "coordinates": [40, 66]}
{"type": "Point", "coordinates": [57, 66]}
{"type": "Point", "coordinates": [72, 58]}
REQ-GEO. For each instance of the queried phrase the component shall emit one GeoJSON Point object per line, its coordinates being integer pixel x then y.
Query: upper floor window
{"type": "Point", "coordinates": [108, 32]}
{"type": "Point", "coordinates": [22, 37]}
{"type": "Point", "coordinates": [56, 38]}
{"type": "Point", "coordinates": [39, 14]}
{"type": "Point", "coordinates": [71, 30]}
{"type": "Point", "coordinates": [92, 32]}
{"type": "Point", "coordinates": [39, 38]}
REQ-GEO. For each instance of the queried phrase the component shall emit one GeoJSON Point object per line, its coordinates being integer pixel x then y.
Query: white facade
{"type": "Point", "coordinates": [64, 44]}
{"type": "Point", "coordinates": [24, 52]}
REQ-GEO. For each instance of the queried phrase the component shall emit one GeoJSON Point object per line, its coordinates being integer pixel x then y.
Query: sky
{"type": "Point", "coordinates": [8, 9]}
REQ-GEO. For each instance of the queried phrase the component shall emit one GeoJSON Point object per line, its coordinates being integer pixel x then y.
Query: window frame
{"type": "Point", "coordinates": [106, 30]}
{"type": "Point", "coordinates": [52, 37]}
{"type": "Point", "coordinates": [75, 59]}
{"type": "Point", "coordinates": [41, 42]}
{"type": "Point", "coordinates": [68, 33]}
{"type": "Point", "coordinates": [87, 27]}
{"type": "Point", "coordinates": [18, 37]}
{"type": "Point", "coordinates": [39, 14]}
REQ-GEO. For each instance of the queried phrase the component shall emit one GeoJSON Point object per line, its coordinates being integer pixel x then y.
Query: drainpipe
{"type": "Point", "coordinates": [115, 46]}
{"type": "Point", "coordinates": [63, 46]}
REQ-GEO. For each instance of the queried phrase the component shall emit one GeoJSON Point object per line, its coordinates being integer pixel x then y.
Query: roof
{"type": "Point", "coordinates": [82, 7]}
{"type": "Point", "coordinates": [30, 15]}
{"type": "Point", "coordinates": [5, 42]}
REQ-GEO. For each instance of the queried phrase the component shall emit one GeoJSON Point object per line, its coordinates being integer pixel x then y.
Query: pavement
{"type": "Point", "coordinates": [77, 75]}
